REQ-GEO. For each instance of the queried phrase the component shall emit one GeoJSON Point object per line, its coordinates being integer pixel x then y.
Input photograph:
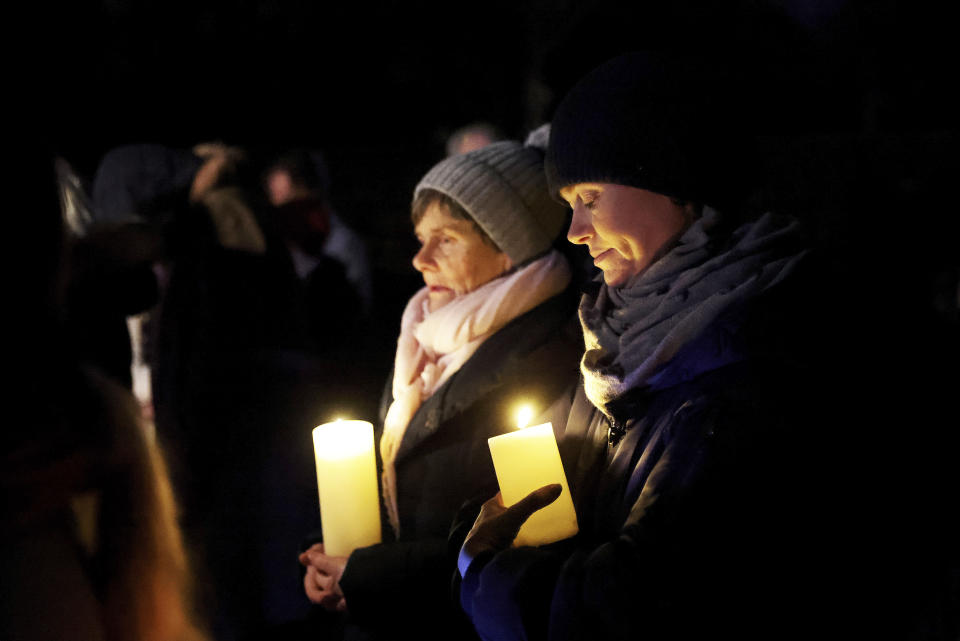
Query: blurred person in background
{"type": "Point", "coordinates": [90, 542]}
{"type": "Point", "coordinates": [297, 183]}
{"type": "Point", "coordinates": [245, 358]}
{"type": "Point", "coordinates": [475, 135]}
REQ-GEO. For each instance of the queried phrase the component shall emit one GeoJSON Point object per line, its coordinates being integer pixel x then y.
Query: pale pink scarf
{"type": "Point", "coordinates": [434, 345]}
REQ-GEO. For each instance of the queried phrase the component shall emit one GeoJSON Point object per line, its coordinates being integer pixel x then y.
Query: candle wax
{"type": "Point", "coordinates": [526, 460]}
{"type": "Point", "coordinates": [347, 483]}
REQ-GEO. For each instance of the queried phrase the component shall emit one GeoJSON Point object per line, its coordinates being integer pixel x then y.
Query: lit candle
{"type": "Point", "coordinates": [347, 482]}
{"type": "Point", "coordinates": [527, 460]}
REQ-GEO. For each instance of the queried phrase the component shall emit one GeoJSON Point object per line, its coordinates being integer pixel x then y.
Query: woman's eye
{"type": "Point", "coordinates": [590, 203]}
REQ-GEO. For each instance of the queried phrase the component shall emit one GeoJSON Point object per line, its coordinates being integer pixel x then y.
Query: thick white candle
{"type": "Point", "coordinates": [526, 460]}
{"type": "Point", "coordinates": [347, 481]}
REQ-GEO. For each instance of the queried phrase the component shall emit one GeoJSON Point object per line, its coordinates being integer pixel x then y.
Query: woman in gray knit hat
{"type": "Point", "coordinates": [492, 327]}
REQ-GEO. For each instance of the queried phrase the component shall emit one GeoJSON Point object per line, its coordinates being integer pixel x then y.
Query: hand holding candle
{"type": "Point", "coordinates": [497, 526]}
{"type": "Point", "coordinates": [347, 483]}
{"type": "Point", "coordinates": [527, 460]}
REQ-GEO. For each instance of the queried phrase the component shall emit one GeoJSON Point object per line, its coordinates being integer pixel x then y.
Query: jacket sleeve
{"type": "Point", "coordinates": [714, 541]}
{"type": "Point", "coordinates": [389, 580]}
{"type": "Point", "coordinates": [578, 589]}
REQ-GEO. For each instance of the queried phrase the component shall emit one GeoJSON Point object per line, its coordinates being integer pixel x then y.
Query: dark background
{"type": "Point", "coordinates": [854, 103]}
{"type": "Point", "coordinates": [854, 100]}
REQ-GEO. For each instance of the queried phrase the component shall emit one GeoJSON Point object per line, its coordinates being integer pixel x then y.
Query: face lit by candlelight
{"type": "Point", "coordinates": [453, 257]}
{"type": "Point", "coordinates": [625, 228]}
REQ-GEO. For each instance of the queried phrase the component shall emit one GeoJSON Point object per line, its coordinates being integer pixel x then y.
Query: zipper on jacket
{"type": "Point", "coordinates": [615, 431]}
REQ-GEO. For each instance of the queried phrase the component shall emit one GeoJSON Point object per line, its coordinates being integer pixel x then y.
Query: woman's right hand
{"type": "Point", "coordinates": [497, 525]}
{"type": "Point", "coordinates": [322, 580]}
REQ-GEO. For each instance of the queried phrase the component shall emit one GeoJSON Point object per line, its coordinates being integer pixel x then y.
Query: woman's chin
{"type": "Point", "coordinates": [620, 276]}
{"type": "Point", "coordinates": [614, 278]}
{"type": "Point", "coordinates": [440, 298]}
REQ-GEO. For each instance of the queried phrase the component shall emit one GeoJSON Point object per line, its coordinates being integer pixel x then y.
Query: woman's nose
{"type": "Point", "coordinates": [580, 228]}
{"type": "Point", "coordinates": [423, 259]}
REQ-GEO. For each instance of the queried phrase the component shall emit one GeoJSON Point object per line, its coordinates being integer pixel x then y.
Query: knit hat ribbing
{"type": "Point", "coordinates": [651, 121]}
{"type": "Point", "coordinates": [503, 188]}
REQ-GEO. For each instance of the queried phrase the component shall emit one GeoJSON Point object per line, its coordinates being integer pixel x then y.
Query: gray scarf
{"type": "Point", "coordinates": [630, 332]}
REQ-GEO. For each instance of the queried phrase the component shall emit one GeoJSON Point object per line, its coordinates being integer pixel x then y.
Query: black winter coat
{"type": "Point", "coordinates": [741, 501]}
{"type": "Point", "coordinates": [401, 589]}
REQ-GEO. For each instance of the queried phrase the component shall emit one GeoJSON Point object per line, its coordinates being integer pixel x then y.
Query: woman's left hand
{"type": "Point", "coordinates": [322, 580]}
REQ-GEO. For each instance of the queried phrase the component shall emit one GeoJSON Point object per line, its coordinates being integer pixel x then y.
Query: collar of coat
{"type": "Point", "coordinates": [496, 362]}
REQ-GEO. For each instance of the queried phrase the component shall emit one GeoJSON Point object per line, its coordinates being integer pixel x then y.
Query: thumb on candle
{"type": "Point", "coordinates": [520, 511]}
{"type": "Point", "coordinates": [497, 526]}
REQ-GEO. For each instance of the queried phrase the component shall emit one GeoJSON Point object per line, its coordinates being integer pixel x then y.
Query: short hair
{"type": "Point", "coordinates": [485, 129]}
{"type": "Point", "coordinates": [427, 197]}
{"type": "Point", "coordinates": [306, 169]}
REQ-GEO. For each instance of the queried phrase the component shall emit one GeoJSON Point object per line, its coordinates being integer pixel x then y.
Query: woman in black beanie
{"type": "Point", "coordinates": [696, 448]}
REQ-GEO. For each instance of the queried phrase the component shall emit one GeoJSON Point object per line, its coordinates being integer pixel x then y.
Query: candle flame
{"type": "Point", "coordinates": [524, 416]}
{"type": "Point", "coordinates": [342, 438]}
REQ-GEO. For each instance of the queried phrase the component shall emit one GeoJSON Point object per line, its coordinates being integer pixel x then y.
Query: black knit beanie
{"type": "Point", "coordinates": [654, 121]}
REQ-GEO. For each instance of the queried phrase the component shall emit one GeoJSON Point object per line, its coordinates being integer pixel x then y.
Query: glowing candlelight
{"type": "Point", "coordinates": [347, 483]}
{"type": "Point", "coordinates": [526, 460]}
{"type": "Point", "coordinates": [524, 416]}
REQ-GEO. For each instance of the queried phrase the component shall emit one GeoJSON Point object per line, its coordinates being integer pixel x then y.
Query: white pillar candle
{"type": "Point", "coordinates": [526, 460]}
{"type": "Point", "coordinates": [347, 483]}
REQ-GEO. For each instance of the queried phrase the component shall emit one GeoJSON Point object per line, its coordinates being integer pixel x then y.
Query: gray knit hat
{"type": "Point", "coordinates": [503, 188]}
